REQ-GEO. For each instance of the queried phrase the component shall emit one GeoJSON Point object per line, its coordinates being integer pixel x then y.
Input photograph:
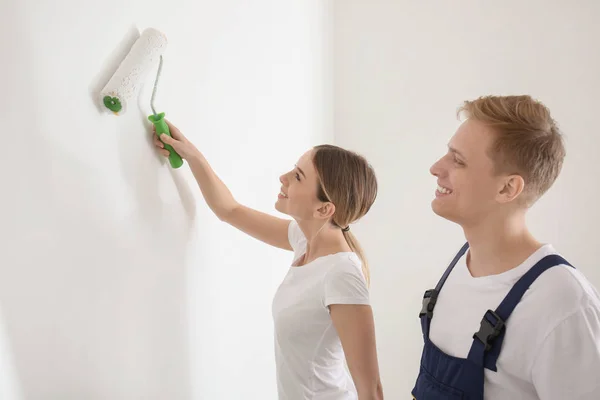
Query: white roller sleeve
{"type": "Point", "coordinates": [144, 56]}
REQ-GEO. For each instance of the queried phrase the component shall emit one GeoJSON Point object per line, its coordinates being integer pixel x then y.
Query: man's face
{"type": "Point", "coordinates": [468, 187]}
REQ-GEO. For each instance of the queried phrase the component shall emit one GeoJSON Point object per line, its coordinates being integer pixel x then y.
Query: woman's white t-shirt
{"type": "Point", "coordinates": [308, 353]}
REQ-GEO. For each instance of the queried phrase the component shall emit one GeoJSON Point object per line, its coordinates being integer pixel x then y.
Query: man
{"type": "Point", "coordinates": [513, 320]}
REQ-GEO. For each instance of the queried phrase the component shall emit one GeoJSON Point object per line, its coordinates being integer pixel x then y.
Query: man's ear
{"type": "Point", "coordinates": [325, 211]}
{"type": "Point", "coordinates": [511, 187]}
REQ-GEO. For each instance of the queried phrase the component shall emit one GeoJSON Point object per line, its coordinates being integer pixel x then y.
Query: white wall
{"type": "Point", "coordinates": [401, 70]}
{"type": "Point", "coordinates": [116, 281]}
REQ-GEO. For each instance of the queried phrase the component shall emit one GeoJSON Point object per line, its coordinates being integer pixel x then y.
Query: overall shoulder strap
{"type": "Point", "coordinates": [430, 296]}
{"type": "Point", "coordinates": [487, 342]}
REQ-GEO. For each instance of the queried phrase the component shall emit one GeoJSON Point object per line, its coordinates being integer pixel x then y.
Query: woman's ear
{"type": "Point", "coordinates": [325, 211]}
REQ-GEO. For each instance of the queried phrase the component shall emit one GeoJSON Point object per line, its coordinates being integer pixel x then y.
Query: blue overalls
{"type": "Point", "coordinates": [444, 377]}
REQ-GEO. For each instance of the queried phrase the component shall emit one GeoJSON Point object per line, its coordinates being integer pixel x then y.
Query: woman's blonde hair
{"type": "Point", "coordinates": [348, 181]}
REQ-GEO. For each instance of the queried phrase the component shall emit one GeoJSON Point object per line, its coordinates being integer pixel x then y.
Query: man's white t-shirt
{"type": "Point", "coordinates": [309, 356]}
{"type": "Point", "coordinates": [551, 349]}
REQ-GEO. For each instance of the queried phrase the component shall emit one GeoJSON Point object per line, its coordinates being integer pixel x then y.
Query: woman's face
{"type": "Point", "coordinates": [298, 195]}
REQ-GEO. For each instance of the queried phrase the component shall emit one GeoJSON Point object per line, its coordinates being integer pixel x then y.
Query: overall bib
{"type": "Point", "coordinates": [444, 377]}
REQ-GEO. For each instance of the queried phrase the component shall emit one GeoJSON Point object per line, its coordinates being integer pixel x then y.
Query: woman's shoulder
{"type": "Point", "coordinates": [296, 236]}
{"type": "Point", "coordinates": [344, 262]}
{"type": "Point", "coordinates": [344, 282]}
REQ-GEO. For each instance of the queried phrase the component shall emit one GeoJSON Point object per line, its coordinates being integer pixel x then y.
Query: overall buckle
{"type": "Point", "coordinates": [491, 327]}
{"type": "Point", "coordinates": [429, 300]}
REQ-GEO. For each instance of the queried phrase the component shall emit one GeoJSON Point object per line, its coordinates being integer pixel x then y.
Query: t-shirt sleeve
{"type": "Point", "coordinates": [345, 284]}
{"type": "Point", "coordinates": [296, 237]}
{"type": "Point", "coordinates": [568, 364]}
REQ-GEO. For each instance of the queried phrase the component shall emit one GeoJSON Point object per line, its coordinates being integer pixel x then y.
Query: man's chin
{"type": "Point", "coordinates": [437, 208]}
{"type": "Point", "coordinates": [443, 212]}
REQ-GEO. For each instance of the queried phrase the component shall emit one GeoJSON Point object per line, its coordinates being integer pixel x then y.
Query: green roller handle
{"type": "Point", "coordinates": [161, 127]}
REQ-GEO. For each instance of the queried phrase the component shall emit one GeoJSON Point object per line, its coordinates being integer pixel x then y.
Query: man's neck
{"type": "Point", "coordinates": [498, 245]}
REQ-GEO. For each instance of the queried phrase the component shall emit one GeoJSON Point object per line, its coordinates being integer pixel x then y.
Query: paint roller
{"type": "Point", "coordinates": [124, 85]}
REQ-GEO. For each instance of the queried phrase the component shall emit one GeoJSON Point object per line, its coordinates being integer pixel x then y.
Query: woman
{"type": "Point", "coordinates": [321, 310]}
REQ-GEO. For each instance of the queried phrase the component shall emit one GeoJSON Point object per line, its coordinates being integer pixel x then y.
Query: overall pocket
{"type": "Point", "coordinates": [428, 388]}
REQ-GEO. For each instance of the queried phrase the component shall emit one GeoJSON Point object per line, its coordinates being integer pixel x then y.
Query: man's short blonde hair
{"type": "Point", "coordinates": [528, 142]}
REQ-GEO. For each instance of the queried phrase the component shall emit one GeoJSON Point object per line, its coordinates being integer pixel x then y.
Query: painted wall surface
{"type": "Point", "coordinates": [401, 70]}
{"type": "Point", "coordinates": [116, 280]}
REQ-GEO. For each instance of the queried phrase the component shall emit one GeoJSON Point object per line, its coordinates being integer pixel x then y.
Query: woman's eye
{"type": "Point", "coordinates": [297, 176]}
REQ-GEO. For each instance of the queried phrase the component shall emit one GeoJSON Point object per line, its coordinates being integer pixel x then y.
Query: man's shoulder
{"type": "Point", "coordinates": [567, 280]}
{"type": "Point", "coordinates": [566, 309]}
{"type": "Point", "coordinates": [563, 290]}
